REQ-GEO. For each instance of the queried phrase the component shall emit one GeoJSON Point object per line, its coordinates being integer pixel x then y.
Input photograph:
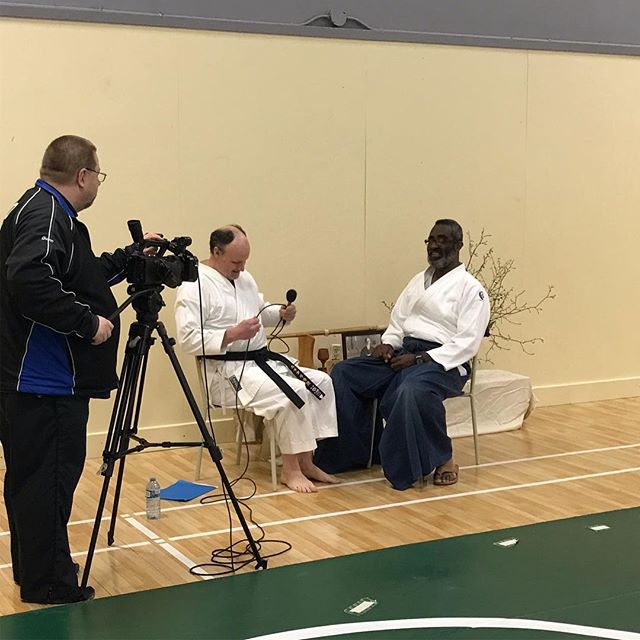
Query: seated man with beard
{"type": "Point", "coordinates": [436, 328]}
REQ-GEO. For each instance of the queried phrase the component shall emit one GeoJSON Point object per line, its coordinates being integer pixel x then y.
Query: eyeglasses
{"type": "Point", "coordinates": [438, 240]}
{"type": "Point", "coordinates": [101, 175]}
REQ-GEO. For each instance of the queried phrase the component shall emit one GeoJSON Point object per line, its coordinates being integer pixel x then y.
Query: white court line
{"type": "Point", "coordinates": [170, 549]}
{"type": "Point", "coordinates": [92, 520]}
{"type": "Point", "coordinates": [392, 505]}
{"type": "Point", "coordinates": [187, 562]}
{"type": "Point", "coordinates": [140, 527]}
{"type": "Point", "coordinates": [115, 547]}
{"type": "Point", "coordinates": [79, 554]}
{"type": "Point", "coordinates": [349, 483]}
{"type": "Point", "coordinates": [74, 523]}
{"type": "Point", "coordinates": [548, 456]}
{"type": "Point", "coordinates": [449, 623]}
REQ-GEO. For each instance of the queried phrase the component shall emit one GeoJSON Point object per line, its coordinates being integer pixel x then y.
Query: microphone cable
{"type": "Point", "coordinates": [228, 552]}
{"type": "Point", "coordinates": [240, 418]}
{"type": "Point", "coordinates": [230, 559]}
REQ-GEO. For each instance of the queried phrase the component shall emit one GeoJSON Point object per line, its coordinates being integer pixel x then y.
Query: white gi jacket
{"type": "Point", "coordinates": [453, 311]}
{"type": "Point", "coordinates": [223, 306]}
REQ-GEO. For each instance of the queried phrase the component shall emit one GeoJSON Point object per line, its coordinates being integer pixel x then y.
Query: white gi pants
{"type": "Point", "coordinates": [296, 430]}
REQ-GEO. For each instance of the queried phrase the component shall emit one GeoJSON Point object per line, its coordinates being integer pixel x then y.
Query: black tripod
{"type": "Point", "coordinates": [123, 425]}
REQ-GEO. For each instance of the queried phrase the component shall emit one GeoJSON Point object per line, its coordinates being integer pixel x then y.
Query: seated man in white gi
{"type": "Point", "coordinates": [241, 371]}
{"type": "Point", "coordinates": [436, 327]}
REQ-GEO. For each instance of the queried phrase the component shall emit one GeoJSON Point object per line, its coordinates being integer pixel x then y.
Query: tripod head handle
{"type": "Point", "coordinates": [134, 291]}
{"type": "Point", "coordinates": [135, 229]}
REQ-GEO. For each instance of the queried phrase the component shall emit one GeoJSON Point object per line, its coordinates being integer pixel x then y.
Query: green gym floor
{"type": "Point", "coordinates": [561, 579]}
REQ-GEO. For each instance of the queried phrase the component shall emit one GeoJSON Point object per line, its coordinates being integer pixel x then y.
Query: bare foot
{"type": "Point", "coordinates": [297, 481]}
{"type": "Point", "coordinates": [315, 473]}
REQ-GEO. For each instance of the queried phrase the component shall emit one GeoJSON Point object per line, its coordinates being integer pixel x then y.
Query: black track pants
{"type": "Point", "coordinates": [44, 442]}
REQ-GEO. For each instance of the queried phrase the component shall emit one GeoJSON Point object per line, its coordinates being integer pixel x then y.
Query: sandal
{"type": "Point", "coordinates": [446, 477]}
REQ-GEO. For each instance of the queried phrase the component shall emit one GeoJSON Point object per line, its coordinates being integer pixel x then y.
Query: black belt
{"type": "Point", "coordinates": [261, 357]}
{"type": "Point", "coordinates": [414, 345]}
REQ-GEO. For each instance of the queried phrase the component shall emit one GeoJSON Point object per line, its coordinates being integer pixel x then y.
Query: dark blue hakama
{"type": "Point", "coordinates": [414, 441]}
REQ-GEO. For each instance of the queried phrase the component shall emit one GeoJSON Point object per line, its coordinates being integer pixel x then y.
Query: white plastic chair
{"type": "Point", "coordinates": [268, 432]}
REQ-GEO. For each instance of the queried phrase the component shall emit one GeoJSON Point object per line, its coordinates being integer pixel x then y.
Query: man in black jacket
{"type": "Point", "coordinates": [58, 350]}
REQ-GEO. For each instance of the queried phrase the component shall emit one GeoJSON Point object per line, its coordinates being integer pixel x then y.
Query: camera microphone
{"type": "Point", "coordinates": [135, 229]}
{"type": "Point", "coordinates": [292, 294]}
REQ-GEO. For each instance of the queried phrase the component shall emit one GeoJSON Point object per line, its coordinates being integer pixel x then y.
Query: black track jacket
{"type": "Point", "coordinates": [52, 287]}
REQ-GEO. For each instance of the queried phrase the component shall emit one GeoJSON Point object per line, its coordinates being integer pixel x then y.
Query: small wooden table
{"type": "Point", "coordinates": [306, 340]}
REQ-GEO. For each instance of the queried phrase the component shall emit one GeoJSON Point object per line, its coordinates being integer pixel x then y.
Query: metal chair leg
{"type": "Point", "coordinates": [374, 418]}
{"type": "Point", "coordinates": [272, 445]}
{"type": "Point", "coordinates": [199, 462]}
{"type": "Point", "coordinates": [474, 426]}
{"type": "Point", "coordinates": [474, 419]}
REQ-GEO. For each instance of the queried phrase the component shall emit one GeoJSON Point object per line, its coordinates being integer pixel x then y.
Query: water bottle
{"type": "Point", "coordinates": [153, 499]}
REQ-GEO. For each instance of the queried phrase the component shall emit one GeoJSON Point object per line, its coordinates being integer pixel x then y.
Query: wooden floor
{"type": "Point", "coordinates": [567, 460]}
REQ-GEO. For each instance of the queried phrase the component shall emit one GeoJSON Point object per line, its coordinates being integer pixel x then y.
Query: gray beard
{"type": "Point", "coordinates": [440, 263]}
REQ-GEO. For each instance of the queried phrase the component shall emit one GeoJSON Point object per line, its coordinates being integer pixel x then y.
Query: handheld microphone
{"type": "Point", "coordinates": [135, 229]}
{"type": "Point", "coordinates": [292, 294]}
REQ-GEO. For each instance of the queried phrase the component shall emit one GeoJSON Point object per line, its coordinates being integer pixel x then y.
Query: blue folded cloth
{"type": "Point", "coordinates": [183, 491]}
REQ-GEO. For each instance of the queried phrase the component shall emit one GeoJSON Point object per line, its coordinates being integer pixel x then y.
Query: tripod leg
{"type": "Point", "coordinates": [94, 533]}
{"type": "Point", "coordinates": [138, 345]}
{"type": "Point", "coordinates": [214, 450]}
{"type": "Point", "coordinates": [125, 444]}
{"type": "Point", "coordinates": [116, 499]}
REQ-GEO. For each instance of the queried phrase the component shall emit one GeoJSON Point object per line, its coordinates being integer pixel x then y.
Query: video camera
{"type": "Point", "coordinates": [160, 269]}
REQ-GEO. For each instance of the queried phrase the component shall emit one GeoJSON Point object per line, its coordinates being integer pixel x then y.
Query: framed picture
{"type": "Point", "coordinates": [360, 343]}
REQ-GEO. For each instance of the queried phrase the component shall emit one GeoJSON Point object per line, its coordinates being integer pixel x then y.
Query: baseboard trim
{"type": "Point", "coordinates": [588, 391]}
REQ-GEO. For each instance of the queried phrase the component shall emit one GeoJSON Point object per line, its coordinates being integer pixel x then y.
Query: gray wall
{"type": "Point", "coordinates": [603, 26]}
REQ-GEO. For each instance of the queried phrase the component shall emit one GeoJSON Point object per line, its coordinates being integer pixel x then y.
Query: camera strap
{"type": "Point", "coordinates": [261, 358]}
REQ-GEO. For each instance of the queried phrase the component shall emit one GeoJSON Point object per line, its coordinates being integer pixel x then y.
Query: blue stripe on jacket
{"type": "Point", "coordinates": [46, 367]}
